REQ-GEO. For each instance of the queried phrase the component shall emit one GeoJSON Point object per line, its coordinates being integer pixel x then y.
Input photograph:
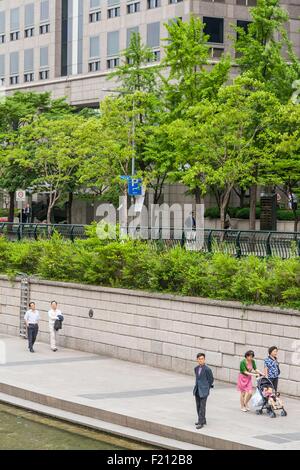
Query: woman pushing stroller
{"type": "Point", "coordinates": [248, 370]}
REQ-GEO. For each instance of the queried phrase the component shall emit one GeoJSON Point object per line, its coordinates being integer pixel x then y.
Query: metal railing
{"type": "Point", "coordinates": [235, 242]}
{"type": "Point", "coordinates": [17, 232]}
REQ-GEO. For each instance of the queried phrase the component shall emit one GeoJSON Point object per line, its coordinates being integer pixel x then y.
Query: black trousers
{"type": "Point", "coordinates": [275, 383]}
{"type": "Point", "coordinates": [32, 334]}
{"type": "Point", "coordinates": [201, 408]}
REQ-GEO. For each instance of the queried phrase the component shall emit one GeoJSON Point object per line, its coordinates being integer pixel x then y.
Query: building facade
{"type": "Point", "coordinates": [68, 47]}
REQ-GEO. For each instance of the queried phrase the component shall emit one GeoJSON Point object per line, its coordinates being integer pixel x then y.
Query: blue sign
{"type": "Point", "coordinates": [135, 187]}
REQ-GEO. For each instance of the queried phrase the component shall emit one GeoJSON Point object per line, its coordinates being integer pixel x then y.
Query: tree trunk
{"type": "Point", "coordinates": [253, 200]}
{"type": "Point", "coordinates": [222, 216]}
{"type": "Point", "coordinates": [11, 215]}
{"type": "Point", "coordinates": [70, 205]}
{"type": "Point", "coordinates": [49, 213]}
{"type": "Point", "coordinates": [295, 221]}
{"type": "Point", "coordinates": [242, 198]}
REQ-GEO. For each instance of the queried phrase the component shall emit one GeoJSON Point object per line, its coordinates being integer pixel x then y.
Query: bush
{"type": "Point", "coordinates": [136, 265]}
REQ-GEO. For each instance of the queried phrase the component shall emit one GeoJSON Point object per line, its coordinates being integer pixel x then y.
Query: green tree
{"type": "Point", "coordinates": [187, 57]}
{"type": "Point", "coordinates": [16, 111]}
{"type": "Point", "coordinates": [214, 145]}
{"type": "Point", "coordinates": [265, 53]}
{"type": "Point", "coordinates": [48, 150]}
{"type": "Point", "coordinates": [284, 165]}
{"type": "Point", "coordinates": [134, 73]}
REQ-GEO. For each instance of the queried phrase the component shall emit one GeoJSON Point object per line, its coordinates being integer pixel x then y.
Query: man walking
{"type": "Point", "coordinates": [32, 318]}
{"type": "Point", "coordinates": [204, 382]}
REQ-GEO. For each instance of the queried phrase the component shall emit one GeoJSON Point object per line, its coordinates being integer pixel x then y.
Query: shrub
{"type": "Point", "coordinates": [136, 265]}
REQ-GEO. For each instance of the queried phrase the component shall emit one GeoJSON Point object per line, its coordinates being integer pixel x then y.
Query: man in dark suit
{"type": "Point", "coordinates": [204, 382]}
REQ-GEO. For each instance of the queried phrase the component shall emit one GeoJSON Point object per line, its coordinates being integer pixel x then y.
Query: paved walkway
{"type": "Point", "coordinates": [140, 397]}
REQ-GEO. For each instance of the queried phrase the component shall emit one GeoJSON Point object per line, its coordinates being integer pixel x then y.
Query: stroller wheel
{"type": "Point", "coordinates": [259, 412]}
{"type": "Point", "coordinates": [283, 413]}
{"type": "Point", "coordinates": [272, 414]}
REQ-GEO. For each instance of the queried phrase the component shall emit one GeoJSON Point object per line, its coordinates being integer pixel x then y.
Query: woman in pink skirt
{"type": "Point", "coordinates": [247, 371]}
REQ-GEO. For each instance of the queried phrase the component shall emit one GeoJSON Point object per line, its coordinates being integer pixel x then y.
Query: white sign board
{"type": "Point", "coordinates": [21, 195]}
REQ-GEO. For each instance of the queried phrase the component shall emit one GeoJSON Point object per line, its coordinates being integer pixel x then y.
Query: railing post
{"type": "Point", "coordinates": [209, 242]}
{"type": "Point", "coordinates": [238, 245]}
{"type": "Point", "coordinates": [35, 232]}
{"type": "Point", "coordinates": [182, 241]}
{"type": "Point", "coordinates": [19, 232]}
{"type": "Point", "coordinates": [268, 245]}
{"type": "Point", "coordinates": [72, 233]}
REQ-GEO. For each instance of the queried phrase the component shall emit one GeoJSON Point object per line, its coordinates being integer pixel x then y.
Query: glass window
{"type": "Point", "coordinates": [94, 46]}
{"type": "Point", "coordinates": [95, 16]}
{"type": "Point", "coordinates": [15, 19]}
{"type": "Point", "coordinates": [111, 3]}
{"type": "Point", "coordinates": [214, 27]}
{"type": "Point", "coordinates": [28, 60]}
{"type": "Point", "coordinates": [2, 65]}
{"type": "Point", "coordinates": [94, 4]}
{"type": "Point", "coordinates": [29, 15]}
{"type": "Point", "coordinates": [243, 24]}
{"type": "Point", "coordinates": [153, 4]}
{"type": "Point", "coordinates": [14, 63]}
{"type": "Point", "coordinates": [2, 22]}
{"type": "Point", "coordinates": [113, 12]}
{"type": "Point", "coordinates": [113, 43]}
{"type": "Point", "coordinates": [44, 10]}
{"type": "Point", "coordinates": [44, 57]}
{"type": "Point", "coordinates": [153, 34]}
{"type": "Point", "coordinates": [131, 31]}
{"type": "Point", "coordinates": [133, 7]}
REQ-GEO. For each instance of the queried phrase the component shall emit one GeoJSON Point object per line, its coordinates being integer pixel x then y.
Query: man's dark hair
{"type": "Point", "coordinates": [53, 302]}
{"type": "Point", "coordinates": [249, 353]}
{"type": "Point", "coordinates": [200, 355]}
{"type": "Point", "coordinates": [271, 349]}
{"type": "Point", "coordinates": [31, 303]}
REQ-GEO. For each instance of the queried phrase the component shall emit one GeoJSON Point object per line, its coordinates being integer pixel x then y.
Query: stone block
{"type": "Point", "coordinates": [294, 373]}
{"type": "Point", "coordinates": [231, 362]}
{"type": "Point", "coordinates": [156, 347]}
{"type": "Point", "coordinates": [226, 347]}
{"type": "Point", "coordinates": [288, 387]}
{"type": "Point", "coordinates": [214, 358]}
{"type": "Point", "coordinates": [235, 324]}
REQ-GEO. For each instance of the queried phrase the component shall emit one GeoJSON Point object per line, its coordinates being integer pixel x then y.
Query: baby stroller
{"type": "Point", "coordinates": [271, 403]}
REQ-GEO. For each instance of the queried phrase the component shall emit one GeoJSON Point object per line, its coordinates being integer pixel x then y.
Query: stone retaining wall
{"type": "Point", "coordinates": [162, 330]}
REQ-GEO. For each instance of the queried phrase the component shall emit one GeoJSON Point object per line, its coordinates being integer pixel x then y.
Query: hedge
{"type": "Point", "coordinates": [244, 212]}
{"type": "Point", "coordinates": [136, 265]}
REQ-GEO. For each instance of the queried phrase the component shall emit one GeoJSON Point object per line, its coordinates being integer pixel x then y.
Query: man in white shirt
{"type": "Point", "coordinates": [32, 318]}
{"type": "Point", "coordinates": [53, 314]}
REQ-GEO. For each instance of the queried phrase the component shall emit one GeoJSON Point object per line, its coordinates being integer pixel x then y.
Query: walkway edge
{"type": "Point", "coordinates": [169, 432]}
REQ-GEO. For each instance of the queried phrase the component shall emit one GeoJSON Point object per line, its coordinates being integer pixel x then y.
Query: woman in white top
{"type": "Point", "coordinates": [53, 315]}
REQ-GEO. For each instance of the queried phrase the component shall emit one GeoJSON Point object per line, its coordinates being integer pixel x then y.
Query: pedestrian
{"type": "Point", "coordinates": [54, 316]}
{"type": "Point", "coordinates": [272, 369]}
{"type": "Point", "coordinates": [248, 370]}
{"type": "Point", "coordinates": [204, 382]}
{"type": "Point", "coordinates": [26, 214]}
{"type": "Point", "coordinates": [32, 318]}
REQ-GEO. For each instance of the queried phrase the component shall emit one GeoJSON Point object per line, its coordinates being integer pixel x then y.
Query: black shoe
{"type": "Point", "coordinates": [54, 350]}
{"type": "Point", "coordinates": [31, 350]}
{"type": "Point", "coordinates": [196, 424]}
{"type": "Point", "coordinates": [199, 426]}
